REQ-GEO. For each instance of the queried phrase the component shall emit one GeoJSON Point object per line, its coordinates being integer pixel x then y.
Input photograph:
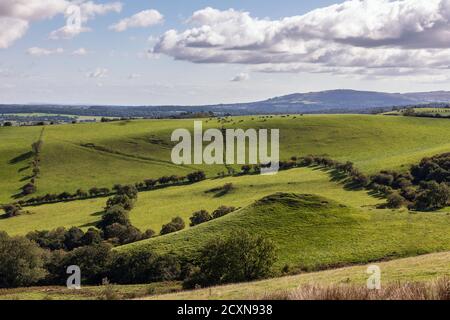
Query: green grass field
{"type": "Point", "coordinates": [155, 208]}
{"type": "Point", "coordinates": [313, 232]}
{"type": "Point", "coordinates": [416, 269]}
{"type": "Point", "coordinates": [313, 219]}
{"type": "Point", "coordinates": [131, 151]}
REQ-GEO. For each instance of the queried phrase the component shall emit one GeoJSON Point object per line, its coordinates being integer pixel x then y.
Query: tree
{"type": "Point", "coordinates": [92, 260]}
{"type": "Point", "coordinates": [115, 214]}
{"type": "Point", "coordinates": [222, 211]}
{"type": "Point", "coordinates": [144, 266]}
{"type": "Point", "coordinates": [433, 196]}
{"type": "Point", "coordinates": [73, 238]}
{"type": "Point", "coordinates": [241, 257]}
{"type": "Point", "coordinates": [12, 210]}
{"type": "Point", "coordinates": [150, 183]}
{"type": "Point", "coordinates": [52, 240]}
{"type": "Point", "coordinates": [118, 233]}
{"type": "Point", "coordinates": [175, 225]}
{"type": "Point", "coordinates": [196, 176]}
{"type": "Point", "coordinates": [129, 190]}
{"type": "Point", "coordinates": [199, 217]}
{"type": "Point", "coordinates": [81, 193]}
{"type": "Point", "coordinates": [29, 188]}
{"type": "Point", "coordinates": [121, 200]}
{"type": "Point", "coordinates": [395, 200]}
{"type": "Point", "coordinates": [21, 262]}
{"type": "Point", "coordinates": [91, 237]}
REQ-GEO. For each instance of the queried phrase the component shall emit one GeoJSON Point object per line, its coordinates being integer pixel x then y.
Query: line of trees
{"type": "Point", "coordinates": [80, 194]}
{"type": "Point", "coordinates": [36, 147]}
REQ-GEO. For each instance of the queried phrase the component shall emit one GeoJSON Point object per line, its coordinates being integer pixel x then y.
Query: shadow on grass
{"type": "Point", "coordinates": [22, 157]}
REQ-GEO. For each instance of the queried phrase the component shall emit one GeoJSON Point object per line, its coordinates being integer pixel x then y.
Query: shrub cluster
{"type": "Point", "coordinates": [115, 223]}
{"type": "Point", "coordinates": [240, 257]}
{"type": "Point", "coordinates": [203, 216]}
{"type": "Point", "coordinates": [424, 187]}
{"type": "Point", "coordinates": [11, 210]}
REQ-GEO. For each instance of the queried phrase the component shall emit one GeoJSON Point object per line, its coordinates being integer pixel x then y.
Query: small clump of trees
{"type": "Point", "coordinates": [203, 216]}
{"type": "Point", "coordinates": [11, 210]}
{"type": "Point", "coordinates": [240, 257]}
{"type": "Point", "coordinates": [176, 224]}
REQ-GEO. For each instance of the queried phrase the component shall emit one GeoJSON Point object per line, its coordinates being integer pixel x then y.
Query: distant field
{"type": "Point", "coordinates": [314, 232]}
{"type": "Point", "coordinates": [431, 111]}
{"type": "Point", "coordinates": [416, 269]}
{"type": "Point", "coordinates": [103, 154]}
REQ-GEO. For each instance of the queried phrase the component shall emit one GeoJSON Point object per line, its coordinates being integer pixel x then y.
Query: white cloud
{"type": "Point", "coordinates": [97, 73]}
{"type": "Point", "coordinates": [88, 10]}
{"type": "Point", "coordinates": [17, 15]}
{"type": "Point", "coordinates": [80, 52]}
{"type": "Point", "coordinates": [355, 35]}
{"type": "Point", "coordinates": [142, 19]}
{"type": "Point", "coordinates": [240, 77]}
{"type": "Point", "coordinates": [11, 29]}
{"type": "Point", "coordinates": [67, 32]}
{"type": "Point", "coordinates": [39, 52]}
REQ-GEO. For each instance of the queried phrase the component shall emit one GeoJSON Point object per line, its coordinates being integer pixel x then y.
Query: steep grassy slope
{"type": "Point", "coordinates": [421, 268]}
{"type": "Point", "coordinates": [103, 154]}
{"type": "Point", "coordinates": [313, 232]}
{"type": "Point", "coordinates": [154, 208]}
{"type": "Point", "coordinates": [15, 155]}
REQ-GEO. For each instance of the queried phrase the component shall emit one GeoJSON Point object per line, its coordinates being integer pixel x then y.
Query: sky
{"type": "Point", "coordinates": [178, 52]}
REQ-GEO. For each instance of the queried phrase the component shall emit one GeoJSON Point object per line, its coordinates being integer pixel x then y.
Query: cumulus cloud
{"type": "Point", "coordinates": [17, 15]}
{"type": "Point", "coordinates": [240, 77]}
{"type": "Point", "coordinates": [97, 73]}
{"type": "Point", "coordinates": [356, 35]}
{"type": "Point", "coordinates": [39, 52]}
{"type": "Point", "coordinates": [67, 32]}
{"type": "Point", "coordinates": [142, 19]}
{"type": "Point", "coordinates": [11, 29]}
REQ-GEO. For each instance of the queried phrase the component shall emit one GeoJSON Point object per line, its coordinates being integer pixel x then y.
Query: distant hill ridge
{"type": "Point", "coordinates": [331, 101]}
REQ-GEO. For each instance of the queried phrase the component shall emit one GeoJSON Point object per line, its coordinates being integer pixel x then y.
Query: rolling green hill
{"type": "Point", "coordinates": [157, 207]}
{"type": "Point", "coordinates": [103, 154]}
{"type": "Point", "coordinates": [313, 232]}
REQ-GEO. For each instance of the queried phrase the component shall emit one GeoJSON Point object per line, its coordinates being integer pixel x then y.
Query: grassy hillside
{"type": "Point", "coordinates": [314, 232]}
{"type": "Point", "coordinates": [103, 154]}
{"type": "Point", "coordinates": [422, 268]}
{"type": "Point", "coordinates": [155, 208]}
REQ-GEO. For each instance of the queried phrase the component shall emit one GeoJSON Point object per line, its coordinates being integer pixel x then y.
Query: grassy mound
{"type": "Point", "coordinates": [313, 232]}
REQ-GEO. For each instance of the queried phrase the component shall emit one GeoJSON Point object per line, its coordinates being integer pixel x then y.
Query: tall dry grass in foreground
{"type": "Point", "coordinates": [432, 290]}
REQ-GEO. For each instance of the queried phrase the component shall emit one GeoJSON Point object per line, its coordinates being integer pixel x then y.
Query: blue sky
{"type": "Point", "coordinates": [219, 55]}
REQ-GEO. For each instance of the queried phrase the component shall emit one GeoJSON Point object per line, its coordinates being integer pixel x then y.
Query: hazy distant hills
{"type": "Point", "coordinates": [345, 101]}
{"type": "Point", "coordinates": [332, 101]}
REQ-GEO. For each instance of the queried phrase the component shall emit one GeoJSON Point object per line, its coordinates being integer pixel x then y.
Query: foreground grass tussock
{"type": "Point", "coordinates": [433, 290]}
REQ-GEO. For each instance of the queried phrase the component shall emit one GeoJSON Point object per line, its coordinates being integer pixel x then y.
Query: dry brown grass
{"type": "Point", "coordinates": [432, 290]}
